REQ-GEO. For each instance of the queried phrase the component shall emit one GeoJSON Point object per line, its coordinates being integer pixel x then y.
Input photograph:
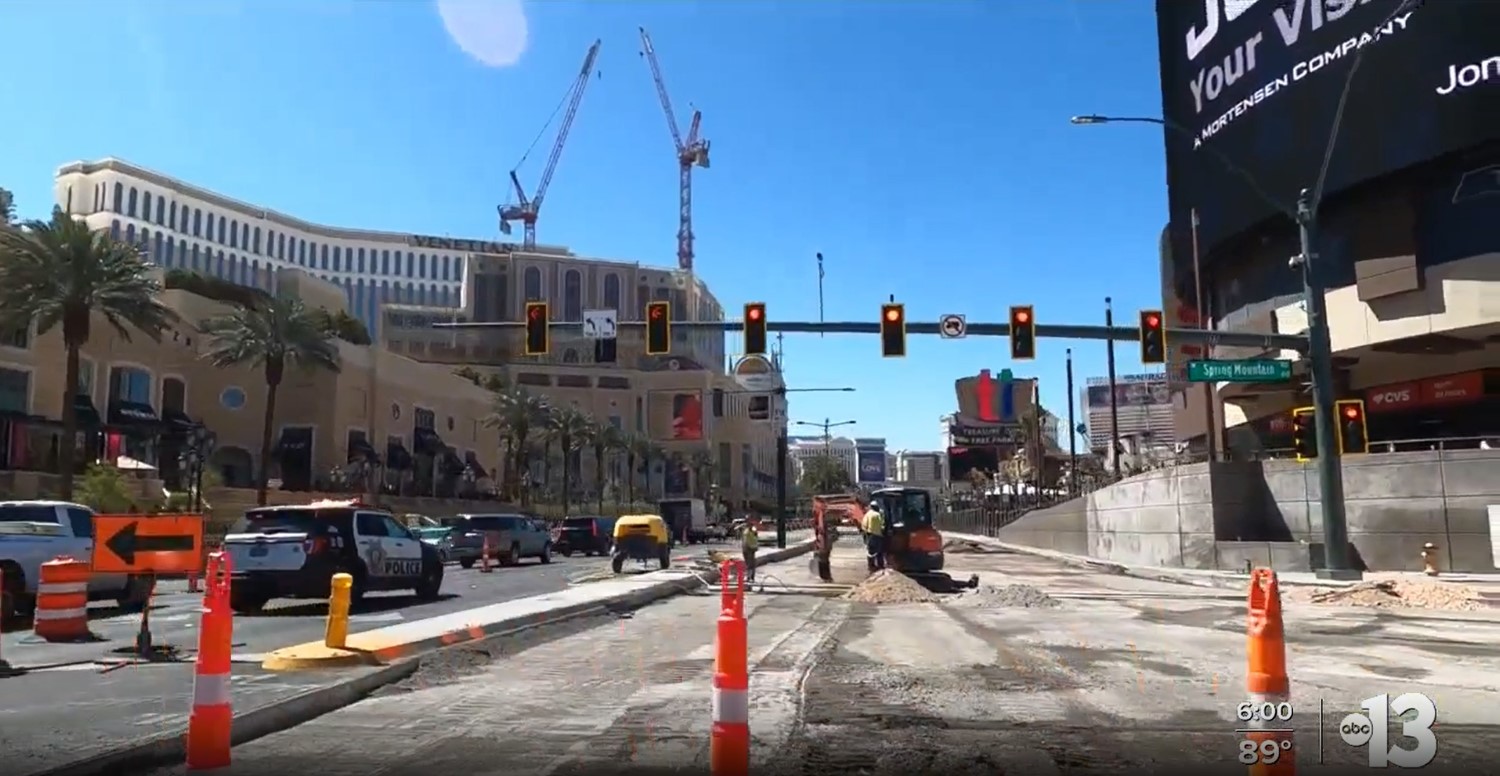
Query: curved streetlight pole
{"type": "Point", "coordinates": [782, 456]}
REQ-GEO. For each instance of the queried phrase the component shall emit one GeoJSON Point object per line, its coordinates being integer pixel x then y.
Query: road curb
{"type": "Point", "coordinates": [1219, 580]}
{"type": "Point", "coordinates": [171, 747]}
{"type": "Point", "coordinates": [314, 655]}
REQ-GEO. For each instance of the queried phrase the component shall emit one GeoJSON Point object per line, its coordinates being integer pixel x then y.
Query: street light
{"type": "Point", "coordinates": [1319, 348]}
{"type": "Point", "coordinates": [198, 448]}
{"type": "Point", "coordinates": [781, 461]}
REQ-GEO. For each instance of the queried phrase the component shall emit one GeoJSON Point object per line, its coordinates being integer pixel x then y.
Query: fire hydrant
{"type": "Point", "coordinates": [1429, 559]}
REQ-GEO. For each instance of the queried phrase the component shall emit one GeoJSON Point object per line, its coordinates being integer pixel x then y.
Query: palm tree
{"type": "Point", "coordinates": [7, 207]}
{"type": "Point", "coordinates": [60, 272]}
{"type": "Point", "coordinates": [271, 335]}
{"type": "Point", "coordinates": [702, 464]}
{"type": "Point", "coordinates": [604, 439]}
{"type": "Point", "coordinates": [571, 427]}
{"type": "Point", "coordinates": [644, 452]}
{"type": "Point", "coordinates": [518, 413]}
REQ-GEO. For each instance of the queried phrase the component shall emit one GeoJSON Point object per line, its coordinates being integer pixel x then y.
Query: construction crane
{"type": "Point", "coordinates": [691, 151]}
{"type": "Point", "coordinates": [526, 208]}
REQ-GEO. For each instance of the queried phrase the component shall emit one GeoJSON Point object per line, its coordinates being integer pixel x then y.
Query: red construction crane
{"type": "Point", "coordinates": [691, 150]}
{"type": "Point", "coordinates": [526, 209]}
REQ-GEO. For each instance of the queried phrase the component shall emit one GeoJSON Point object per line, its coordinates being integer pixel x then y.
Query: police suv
{"type": "Point", "coordinates": [294, 551]}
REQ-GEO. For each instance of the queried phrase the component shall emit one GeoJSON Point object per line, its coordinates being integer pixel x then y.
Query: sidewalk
{"type": "Point", "coordinates": [1079, 675]}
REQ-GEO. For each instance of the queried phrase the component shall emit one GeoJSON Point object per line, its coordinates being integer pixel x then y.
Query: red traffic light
{"type": "Point", "coordinates": [893, 315]}
{"type": "Point", "coordinates": [754, 313]}
{"type": "Point", "coordinates": [1153, 321]}
{"type": "Point", "coordinates": [1351, 412]}
{"type": "Point", "coordinates": [1022, 316]}
{"type": "Point", "coordinates": [535, 312]}
{"type": "Point", "coordinates": [655, 312]}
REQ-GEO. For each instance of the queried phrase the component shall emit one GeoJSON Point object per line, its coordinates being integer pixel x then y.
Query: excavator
{"type": "Point", "coordinates": [914, 546]}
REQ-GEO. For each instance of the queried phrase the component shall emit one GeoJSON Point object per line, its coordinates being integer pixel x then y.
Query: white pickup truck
{"type": "Point", "coordinates": [34, 532]}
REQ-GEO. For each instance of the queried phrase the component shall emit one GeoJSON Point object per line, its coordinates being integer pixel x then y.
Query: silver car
{"type": "Point", "coordinates": [513, 537]}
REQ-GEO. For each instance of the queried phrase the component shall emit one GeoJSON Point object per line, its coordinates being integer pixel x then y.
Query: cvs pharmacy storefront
{"type": "Point", "coordinates": [1415, 414]}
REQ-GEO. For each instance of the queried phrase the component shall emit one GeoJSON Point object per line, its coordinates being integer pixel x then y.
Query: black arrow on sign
{"type": "Point", "coordinates": [128, 542]}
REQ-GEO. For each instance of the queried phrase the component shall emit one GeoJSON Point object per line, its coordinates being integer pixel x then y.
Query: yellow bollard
{"type": "Point", "coordinates": [337, 630]}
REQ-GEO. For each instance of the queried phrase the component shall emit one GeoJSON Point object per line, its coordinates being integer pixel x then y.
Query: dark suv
{"type": "Point", "coordinates": [588, 535]}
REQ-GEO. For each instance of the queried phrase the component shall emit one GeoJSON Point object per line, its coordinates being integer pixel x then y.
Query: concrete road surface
{"type": "Point", "coordinates": [1083, 672]}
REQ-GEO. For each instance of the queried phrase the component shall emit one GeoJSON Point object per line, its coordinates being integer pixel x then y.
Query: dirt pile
{"type": "Point", "coordinates": [890, 587]}
{"type": "Point", "coordinates": [966, 547]}
{"type": "Point", "coordinates": [1005, 597]}
{"type": "Point", "coordinates": [1401, 594]}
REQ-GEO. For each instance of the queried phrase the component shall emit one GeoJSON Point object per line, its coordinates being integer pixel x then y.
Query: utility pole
{"type": "Point", "coordinates": [1114, 407]}
{"type": "Point", "coordinates": [1072, 434]}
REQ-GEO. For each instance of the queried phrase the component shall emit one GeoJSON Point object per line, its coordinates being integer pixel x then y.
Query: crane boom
{"type": "Point", "coordinates": [527, 209]}
{"type": "Point", "coordinates": [691, 151]}
{"type": "Point", "coordinates": [649, 50]}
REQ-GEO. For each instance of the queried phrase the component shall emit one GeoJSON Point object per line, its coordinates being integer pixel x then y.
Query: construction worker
{"type": "Point", "coordinates": [873, 527]}
{"type": "Point", "coordinates": [749, 543]}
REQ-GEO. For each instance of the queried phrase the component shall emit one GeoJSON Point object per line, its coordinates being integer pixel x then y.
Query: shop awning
{"type": "Point", "coordinates": [132, 413]}
{"type": "Point", "coordinates": [452, 464]}
{"type": "Point", "coordinates": [471, 461]}
{"type": "Point", "coordinates": [293, 440]}
{"type": "Point", "coordinates": [86, 412]}
{"type": "Point", "coordinates": [360, 449]}
{"type": "Point", "coordinates": [397, 457]}
{"type": "Point", "coordinates": [427, 442]}
{"type": "Point", "coordinates": [177, 420]}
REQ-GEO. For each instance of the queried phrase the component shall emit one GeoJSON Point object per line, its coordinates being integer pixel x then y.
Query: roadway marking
{"type": "Point", "coordinates": [378, 617]}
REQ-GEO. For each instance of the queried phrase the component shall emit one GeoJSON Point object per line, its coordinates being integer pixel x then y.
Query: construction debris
{"type": "Point", "coordinates": [1400, 594]}
{"type": "Point", "coordinates": [1005, 597]}
{"type": "Point", "coordinates": [890, 587]}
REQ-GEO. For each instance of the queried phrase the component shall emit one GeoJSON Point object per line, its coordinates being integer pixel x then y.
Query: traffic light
{"type": "Point", "coordinates": [1022, 333]}
{"type": "Point", "coordinates": [537, 339]}
{"type": "Point", "coordinates": [755, 329]}
{"type": "Point", "coordinates": [1153, 337]}
{"type": "Point", "coordinates": [1305, 433]}
{"type": "Point", "coordinates": [658, 328]}
{"type": "Point", "coordinates": [1354, 438]}
{"type": "Point", "coordinates": [893, 330]}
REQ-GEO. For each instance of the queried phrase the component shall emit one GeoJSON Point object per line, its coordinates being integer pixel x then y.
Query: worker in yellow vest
{"type": "Point", "coordinates": [873, 527]}
{"type": "Point", "coordinates": [749, 544]}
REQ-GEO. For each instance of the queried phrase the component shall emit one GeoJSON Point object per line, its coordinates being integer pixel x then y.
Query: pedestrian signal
{"type": "Point", "coordinates": [755, 329]}
{"type": "Point", "coordinates": [658, 328]}
{"type": "Point", "coordinates": [893, 330]}
{"type": "Point", "coordinates": [1153, 337]}
{"type": "Point", "coordinates": [1354, 437]}
{"type": "Point", "coordinates": [1305, 433]}
{"type": "Point", "coordinates": [537, 339]}
{"type": "Point", "coordinates": [1022, 333]}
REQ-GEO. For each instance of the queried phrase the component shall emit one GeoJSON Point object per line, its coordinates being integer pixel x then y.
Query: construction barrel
{"type": "Point", "coordinates": [62, 600]}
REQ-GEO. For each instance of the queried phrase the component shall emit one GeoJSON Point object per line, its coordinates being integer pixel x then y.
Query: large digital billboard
{"type": "Point", "coordinates": [1258, 83]}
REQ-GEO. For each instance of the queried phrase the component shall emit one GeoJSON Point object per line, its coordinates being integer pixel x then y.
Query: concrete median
{"type": "Point", "coordinates": [384, 646]}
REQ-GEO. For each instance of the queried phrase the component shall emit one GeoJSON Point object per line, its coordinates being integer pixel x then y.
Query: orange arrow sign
{"type": "Point", "coordinates": [148, 544]}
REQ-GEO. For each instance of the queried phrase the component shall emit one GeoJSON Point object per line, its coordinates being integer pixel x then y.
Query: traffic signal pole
{"type": "Point", "coordinates": [1336, 561]}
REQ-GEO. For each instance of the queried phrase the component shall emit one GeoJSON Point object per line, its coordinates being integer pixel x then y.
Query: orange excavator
{"type": "Point", "coordinates": [914, 546]}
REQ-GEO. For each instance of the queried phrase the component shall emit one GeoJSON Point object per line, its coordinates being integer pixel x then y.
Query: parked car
{"type": "Point", "coordinates": [34, 532]}
{"type": "Point", "coordinates": [438, 536]}
{"type": "Point", "coordinates": [513, 537]}
{"type": "Point", "coordinates": [588, 535]}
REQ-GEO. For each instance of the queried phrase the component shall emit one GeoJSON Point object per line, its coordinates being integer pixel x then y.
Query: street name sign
{"type": "Point", "coordinates": [1258, 370]}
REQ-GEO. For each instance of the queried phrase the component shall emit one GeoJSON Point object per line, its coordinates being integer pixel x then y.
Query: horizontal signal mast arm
{"type": "Point", "coordinates": [1061, 331]}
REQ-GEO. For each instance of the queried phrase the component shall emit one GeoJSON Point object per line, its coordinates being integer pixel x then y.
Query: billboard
{"type": "Point", "coordinates": [676, 416]}
{"type": "Point", "coordinates": [1179, 292]}
{"type": "Point", "coordinates": [1258, 82]}
{"type": "Point", "coordinates": [1132, 391]}
{"type": "Point", "coordinates": [871, 466]}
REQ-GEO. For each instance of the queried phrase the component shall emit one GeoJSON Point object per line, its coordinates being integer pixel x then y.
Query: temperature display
{"type": "Point", "coordinates": [1266, 751]}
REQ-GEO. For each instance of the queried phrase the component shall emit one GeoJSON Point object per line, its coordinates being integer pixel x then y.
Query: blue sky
{"type": "Point", "coordinates": [923, 148]}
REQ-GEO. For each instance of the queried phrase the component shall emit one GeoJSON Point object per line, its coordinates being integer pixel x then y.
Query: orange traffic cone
{"type": "Point", "coordinates": [729, 741]}
{"type": "Point", "coordinates": [1268, 747]}
{"type": "Point", "coordinates": [212, 720]}
{"type": "Point", "coordinates": [484, 555]}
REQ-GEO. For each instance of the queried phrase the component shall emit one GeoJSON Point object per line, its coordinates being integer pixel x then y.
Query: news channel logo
{"type": "Point", "coordinates": [1370, 729]}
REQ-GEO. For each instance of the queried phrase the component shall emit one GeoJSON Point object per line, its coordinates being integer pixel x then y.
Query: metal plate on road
{"type": "Point", "coordinates": [599, 324]}
{"type": "Point", "coordinates": [1257, 370]}
{"type": "Point", "coordinates": [953, 326]}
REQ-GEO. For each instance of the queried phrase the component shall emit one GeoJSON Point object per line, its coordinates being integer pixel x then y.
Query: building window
{"type": "Point", "coordinates": [245, 236]}
{"type": "Point", "coordinates": [131, 203]}
{"type": "Point", "coordinates": [161, 210]}
{"type": "Point", "coordinates": [145, 206]}
{"type": "Point", "coordinates": [573, 295]}
{"type": "Point", "coordinates": [612, 292]}
{"type": "Point", "coordinates": [18, 337]}
{"type": "Point", "coordinates": [197, 222]}
{"type": "Point", "coordinates": [361, 257]}
{"type": "Point", "coordinates": [15, 390]}
{"type": "Point", "coordinates": [338, 259]}
{"type": "Point", "coordinates": [324, 261]}
{"type": "Point", "coordinates": [232, 398]}
{"type": "Point", "coordinates": [385, 262]}
{"type": "Point", "coordinates": [411, 265]}
{"type": "Point", "coordinates": [423, 418]}
{"type": "Point", "coordinates": [128, 383]}
{"type": "Point", "coordinates": [531, 282]}
{"type": "Point", "coordinates": [281, 246]}
{"type": "Point", "coordinates": [119, 198]}
{"type": "Point", "coordinates": [256, 245]}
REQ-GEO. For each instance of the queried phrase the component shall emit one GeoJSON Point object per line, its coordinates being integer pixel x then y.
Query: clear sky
{"type": "Point", "coordinates": [923, 147]}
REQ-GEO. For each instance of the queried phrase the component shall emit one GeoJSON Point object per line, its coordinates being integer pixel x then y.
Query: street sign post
{"type": "Point", "coordinates": [1257, 370]}
{"type": "Point", "coordinates": [599, 324]}
{"type": "Point", "coordinates": [148, 544]}
{"type": "Point", "coordinates": [953, 326]}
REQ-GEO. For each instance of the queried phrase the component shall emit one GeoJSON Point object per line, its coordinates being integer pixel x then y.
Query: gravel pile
{"type": "Point", "coordinates": [1402, 594]}
{"type": "Point", "coordinates": [890, 587]}
{"type": "Point", "coordinates": [1005, 597]}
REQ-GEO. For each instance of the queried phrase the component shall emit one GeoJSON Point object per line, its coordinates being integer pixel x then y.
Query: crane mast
{"type": "Point", "coordinates": [691, 151]}
{"type": "Point", "coordinates": [526, 208]}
